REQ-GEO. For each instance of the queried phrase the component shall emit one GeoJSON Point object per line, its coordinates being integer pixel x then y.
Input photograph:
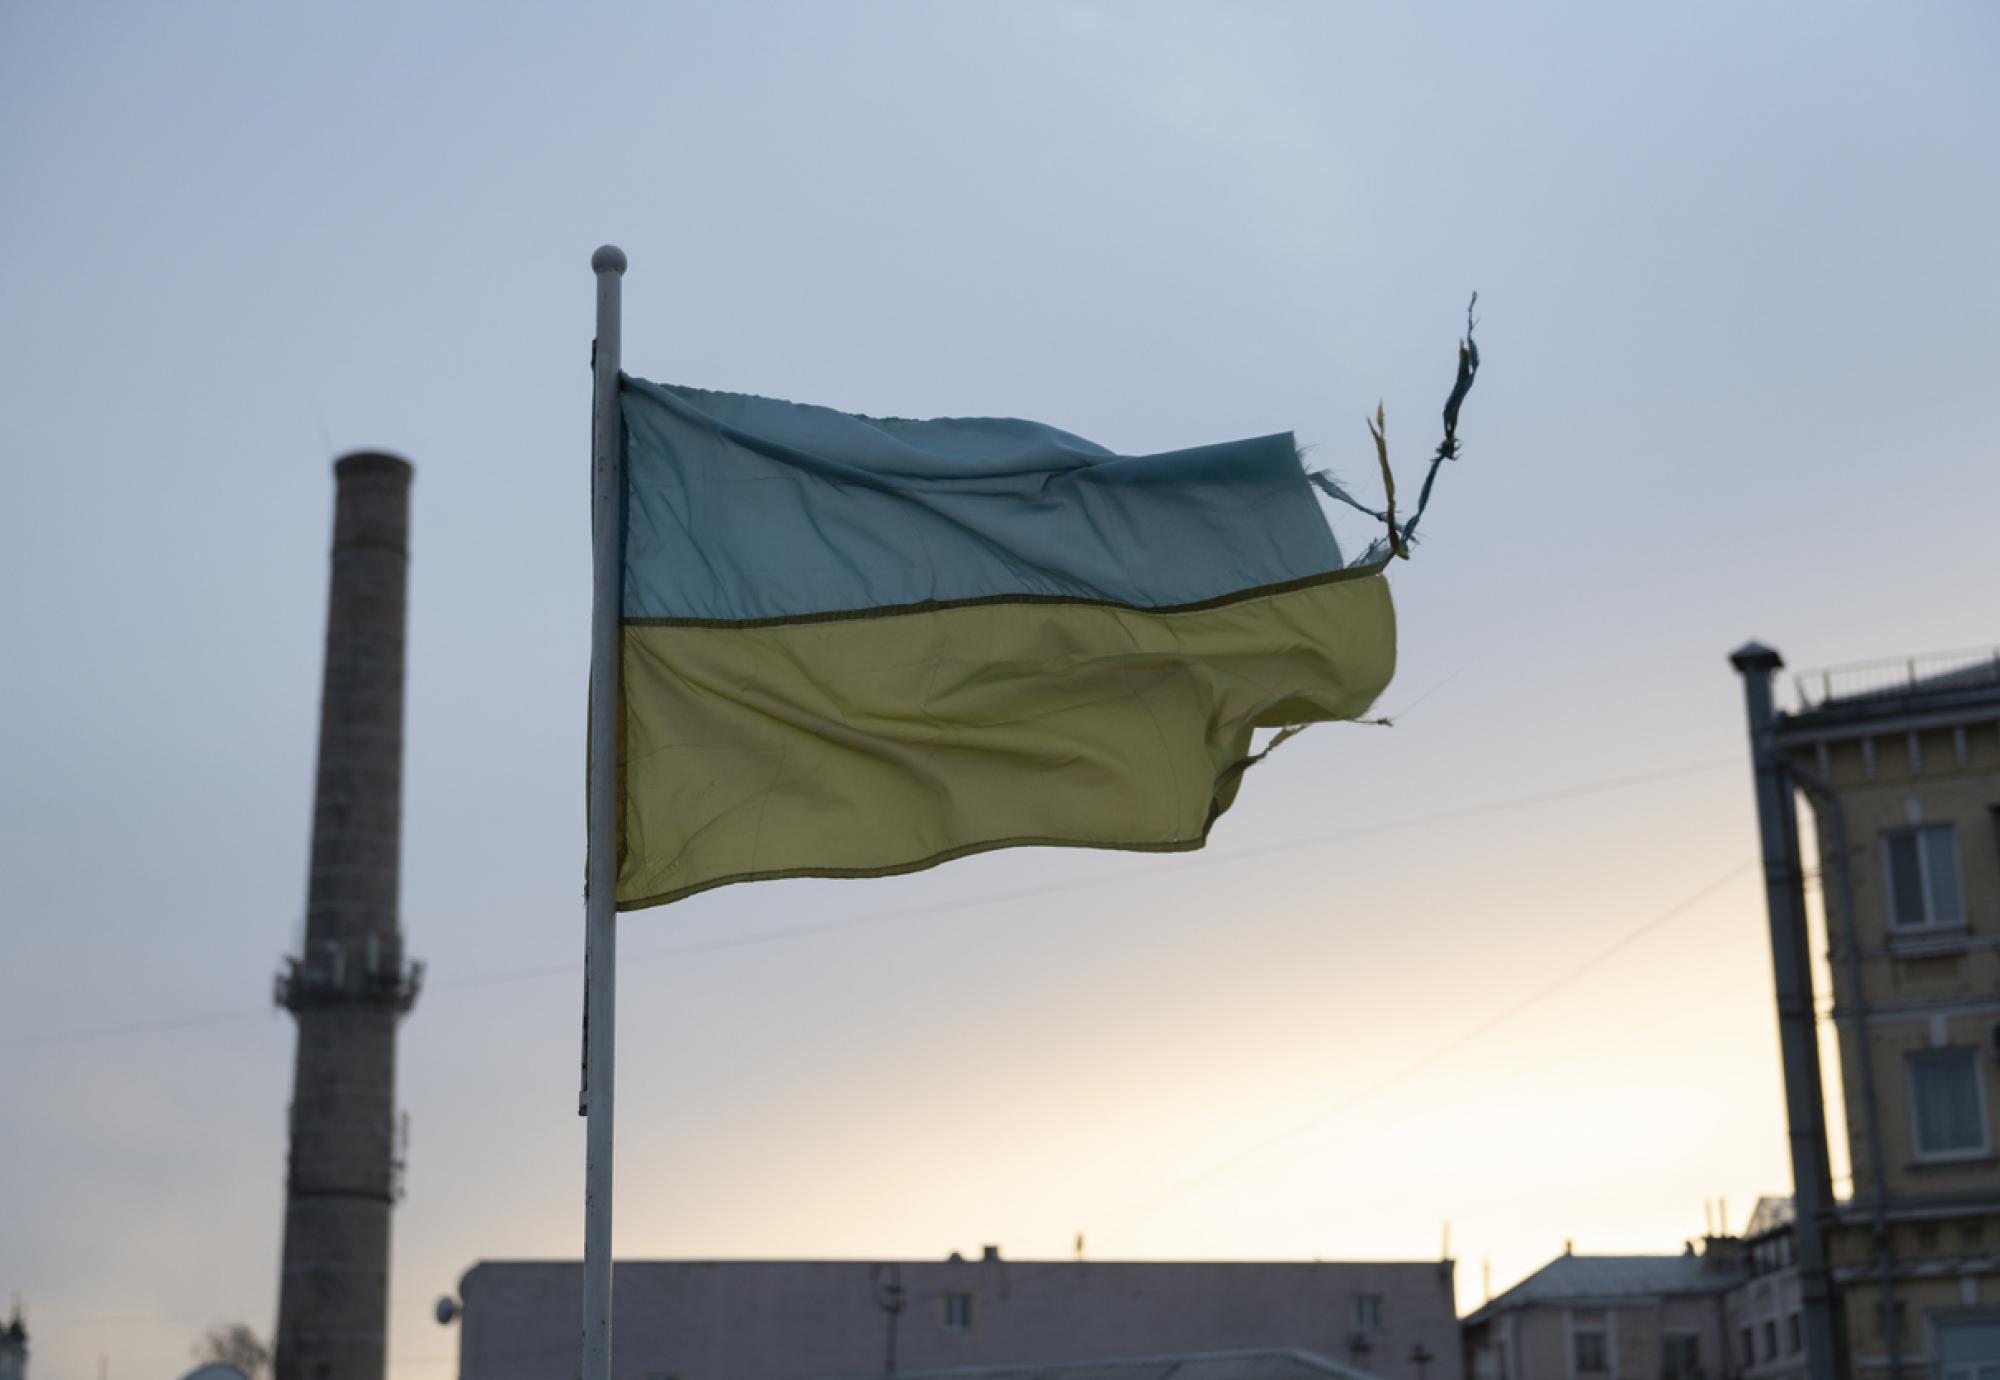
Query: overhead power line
{"type": "Point", "coordinates": [1132, 1217]}
{"type": "Point", "coordinates": [1450, 1047]}
{"type": "Point", "coordinates": [1152, 872]}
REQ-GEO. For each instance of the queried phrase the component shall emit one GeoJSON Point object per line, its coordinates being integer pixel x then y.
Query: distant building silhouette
{"type": "Point", "coordinates": [1610, 1317]}
{"type": "Point", "coordinates": [806, 1319]}
{"type": "Point", "coordinates": [1763, 1316]}
{"type": "Point", "coordinates": [14, 1348]}
{"type": "Point", "coordinates": [1731, 1311]}
{"type": "Point", "coordinates": [1215, 1365]}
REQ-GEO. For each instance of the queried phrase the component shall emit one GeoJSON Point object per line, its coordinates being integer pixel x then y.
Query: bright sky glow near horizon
{"type": "Point", "coordinates": [1737, 291]}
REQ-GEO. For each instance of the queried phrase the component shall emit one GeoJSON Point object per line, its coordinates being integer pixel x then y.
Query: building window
{"type": "Point", "coordinates": [1922, 867]}
{"type": "Point", "coordinates": [1367, 1312]}
{"type": "Point", "coordinates": [1680, 1356]}
{"type": "Point", "coordinates": [1795, 1335]}
{"type": "Point", "coordinates": [958, 1312]}
{"type": "Point", "coordinates": [1969, 1345]}
{"type": "Point", "coordinates": [1947, 1105]}
{"type": "Point", "coordinates": [1770, 1340]}
{"type": "Point", "coordinates": [1749, 1348]}
{"type": "Point", "coordinates": [1589, 1344]}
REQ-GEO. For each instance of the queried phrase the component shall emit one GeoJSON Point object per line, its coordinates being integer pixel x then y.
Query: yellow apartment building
{"type": "Point", "coordinates": [1899, 763]}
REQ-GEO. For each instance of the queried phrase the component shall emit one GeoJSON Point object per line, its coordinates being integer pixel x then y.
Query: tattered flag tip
{"type": "Point", "coordinates": [1401, 535]}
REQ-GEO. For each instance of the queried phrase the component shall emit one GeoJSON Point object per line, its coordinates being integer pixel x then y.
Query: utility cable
{"type": "Point", "coordinates": [1132, 1217]}
{"type": "Point", "coordinates": [1600, 786]}
{"type": "Point", "coordinates": [1450, 1047]}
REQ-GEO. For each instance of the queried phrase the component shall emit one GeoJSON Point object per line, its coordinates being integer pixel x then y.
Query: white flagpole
{"type": "Point", "coordinates": [601, 904]}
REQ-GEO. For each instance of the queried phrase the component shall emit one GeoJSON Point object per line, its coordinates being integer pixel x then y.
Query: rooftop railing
{"type": "Point", "coordinates": [1915, 675]}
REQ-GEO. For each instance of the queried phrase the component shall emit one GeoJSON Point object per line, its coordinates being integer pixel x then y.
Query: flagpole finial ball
{"type": "Point", "coordinates": [609, 258]}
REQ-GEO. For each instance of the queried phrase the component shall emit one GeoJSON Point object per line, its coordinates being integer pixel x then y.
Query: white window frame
{"type": "Point", "coordinates": [1985, 1147]}
{"type": "Point", "coordinates": [947, 1304]}
{"type": "Point", "coordinates": [1929, 924]}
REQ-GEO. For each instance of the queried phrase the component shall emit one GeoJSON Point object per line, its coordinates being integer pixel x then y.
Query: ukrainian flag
{"type": "Point", "coordinates": [856, 646]}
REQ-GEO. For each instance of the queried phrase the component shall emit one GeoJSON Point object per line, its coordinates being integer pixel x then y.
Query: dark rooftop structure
{"type": "Point", "coordinates": [1595, 1281]}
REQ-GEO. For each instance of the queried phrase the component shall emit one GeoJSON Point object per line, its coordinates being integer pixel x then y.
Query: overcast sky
{"type": "Point", "coordinates": [1738, 296]}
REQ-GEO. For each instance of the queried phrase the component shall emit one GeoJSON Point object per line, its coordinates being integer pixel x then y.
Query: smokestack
{"type": "Point", "coordinates": [351, 985]}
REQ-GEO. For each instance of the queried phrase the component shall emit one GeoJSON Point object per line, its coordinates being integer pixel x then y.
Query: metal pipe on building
{"type": "Point", "coordinates": [350, 985]}
{"type": "Point", "coordinates": [1791, 964]}
{"type": "Point", "coordinates": [1824, 797]}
